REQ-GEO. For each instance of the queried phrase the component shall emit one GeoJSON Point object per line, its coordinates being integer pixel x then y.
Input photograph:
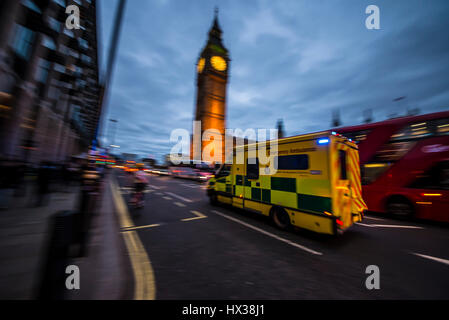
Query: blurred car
{"type": "Point", "coordinates": [130, 168]}
{"type": "Point", "coordinates": [183, 172]}
{"type": "Point", "coordinates": [161, 172]}
{"type": "Point", "coordinates": [203, 176]}
{"type": "Point", "coordinates": [191, 173]}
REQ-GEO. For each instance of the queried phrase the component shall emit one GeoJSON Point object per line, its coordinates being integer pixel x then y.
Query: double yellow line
{"type": "Point", "coordinates": [144, 281]}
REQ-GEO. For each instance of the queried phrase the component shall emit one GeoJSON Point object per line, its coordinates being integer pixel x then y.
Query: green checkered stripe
{"type": "Point", "coordinates": [283, 189]}
{"type": "Point", "coordinates": [228, 186]}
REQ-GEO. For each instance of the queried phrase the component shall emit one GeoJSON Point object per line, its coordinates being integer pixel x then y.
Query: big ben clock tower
{"type": "Point", "coordinates": [212, 79]}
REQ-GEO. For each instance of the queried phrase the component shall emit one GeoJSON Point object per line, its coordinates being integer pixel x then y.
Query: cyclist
{"type": "Point", "coordinates": [140, 183]}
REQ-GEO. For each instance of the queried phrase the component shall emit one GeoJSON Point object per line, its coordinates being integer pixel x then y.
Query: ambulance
{"type": "Point", "coordinates": [309, 181]}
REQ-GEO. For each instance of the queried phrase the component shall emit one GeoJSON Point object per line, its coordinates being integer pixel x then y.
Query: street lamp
{"type": "Point", "coordinates": [113, 130]}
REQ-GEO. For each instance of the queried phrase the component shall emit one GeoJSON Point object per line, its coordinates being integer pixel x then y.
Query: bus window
{"type": "Point", "coordinates": [357, 136]}
{"type": "Point", "coordinates": [294, 162]}
{"type": "Point", "coordinates": [423, 129]}
{"type": "Point", "coordinates": [436, 178]}
{"type": "Point", "coordinates": [372, 171]}
{"type": "Point", "coordinates": [252, 168]}
{"type": "Point", "coordinates": [343, 172]}
{"type": "Point", "coordinates": [442, 126]}
{"type": "Point", "coordinates": [393, 151]}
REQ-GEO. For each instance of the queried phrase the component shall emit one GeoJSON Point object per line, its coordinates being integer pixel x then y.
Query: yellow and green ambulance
{"type": "Point", "coordinates": [315, 184]}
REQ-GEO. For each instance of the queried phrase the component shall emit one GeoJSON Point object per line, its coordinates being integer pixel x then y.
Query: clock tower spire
{"type": "Point", "coordinates": [211, 87]}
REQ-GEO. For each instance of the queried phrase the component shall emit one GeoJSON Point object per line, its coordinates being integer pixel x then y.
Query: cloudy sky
{"type": "Point", "coordinates": [296, 60]}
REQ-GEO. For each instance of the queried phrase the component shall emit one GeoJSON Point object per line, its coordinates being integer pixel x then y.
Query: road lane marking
{"type": "Point", "coordinates": [154, 187]}
{"type": "Point", "coordinates": [199, 215]}
{"type": "Point", "coordinates": [141, 227]}
{"type": "Point", "coordinates": [167, 198]}
{"type": "Point", "coordinates": [144, 286]}
{"type": "Point", "coordinates": [387, 226]}
{"type": "Point", "coordinates": [446, 262]}
{"type": "Point", "coordinates": [179, 197]}
{"type": "Point", "coordinates": [144, 281]}
{"type": "Point", "coordinates": [125, 219]}
{"type": "Point", "coordinates": [372, 218]}
{"type": "Point", "coordinates": [193, 186]}
{"type": "Point", "coordinates": [294, 244]}
{"type": "Point", "coordinates": [179, 204]}
{"type": "Point", "coordinates": [159, 193]}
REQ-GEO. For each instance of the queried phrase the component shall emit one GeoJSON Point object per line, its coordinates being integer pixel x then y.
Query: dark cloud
{"type": "Point", "coordinates": [296, 60]}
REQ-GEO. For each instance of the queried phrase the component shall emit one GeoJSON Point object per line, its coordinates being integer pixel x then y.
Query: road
{"type": "Point", "coordinates": [198, 251]}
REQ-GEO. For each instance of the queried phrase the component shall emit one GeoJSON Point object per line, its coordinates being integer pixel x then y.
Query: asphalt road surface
{"type": "Point", "coordinates": [198, 251]}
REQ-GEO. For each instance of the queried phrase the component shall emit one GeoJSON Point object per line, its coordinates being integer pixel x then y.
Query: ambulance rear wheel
{"type": "Point", "coordinates": [280, 218]}
{"type": "Point", "coordinates": [213, 199]}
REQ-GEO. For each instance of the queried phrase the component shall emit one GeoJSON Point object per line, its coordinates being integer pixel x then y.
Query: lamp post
{"type": "Point", "coordinates": [113, 130]}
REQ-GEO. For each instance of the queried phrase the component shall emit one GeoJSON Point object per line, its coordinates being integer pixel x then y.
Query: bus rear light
{"type": "Point", "coordinates": [339, 222]}
{"type": "Point", "coordinates": [431, 194]}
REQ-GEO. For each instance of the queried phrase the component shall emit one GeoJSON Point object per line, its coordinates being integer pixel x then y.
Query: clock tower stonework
{"type": "Point", "coordinates": [211, 82]}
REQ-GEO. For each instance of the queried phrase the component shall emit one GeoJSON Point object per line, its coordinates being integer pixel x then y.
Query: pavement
{"type": "Point", "coordinates": [189, 249]}
{"type": "Point", "coordinates": [24, 233]}
{"type": "Point", "coordinates": [105, 270]}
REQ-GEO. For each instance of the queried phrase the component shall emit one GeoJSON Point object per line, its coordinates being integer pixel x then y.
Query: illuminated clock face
{"type": "Point", "coordinates": [218, 63]}
{"type": "Point", "coordinates": [201, 65]}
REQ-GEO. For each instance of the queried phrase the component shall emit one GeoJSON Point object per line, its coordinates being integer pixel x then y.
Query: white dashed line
{"type": "Point", "coordinates": [372, 218]}
{"type": "Point", "coordinates": [194, 186]}
{"type": "Point", "coordinates": [179, 204]}
{"type": "Point", "coordinates": [387, 226]}
{"type": "Point", "coordinates": [167, 198]}
{"type": "Point", "coordinates": [294, 244]}
{"type": "Point", "coordinates": [179, 197]}
{"type": "Point", "coordinates": [444, 261]}
{"type": "Point", "coordinates": [199, 215]}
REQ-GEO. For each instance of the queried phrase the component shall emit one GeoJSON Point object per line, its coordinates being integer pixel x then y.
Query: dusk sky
{"type": "Point", "coordinates": [295, 60]}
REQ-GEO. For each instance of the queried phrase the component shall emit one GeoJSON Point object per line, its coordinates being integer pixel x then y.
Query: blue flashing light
{"type": "Point", "coordinates": [334, 133]}
{"type": "Point", "coordinates": [323, 141]}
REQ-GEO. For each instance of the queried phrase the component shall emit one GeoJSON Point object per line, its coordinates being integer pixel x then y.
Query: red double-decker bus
{"type": "Point", "coordinates": [405, 165]}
